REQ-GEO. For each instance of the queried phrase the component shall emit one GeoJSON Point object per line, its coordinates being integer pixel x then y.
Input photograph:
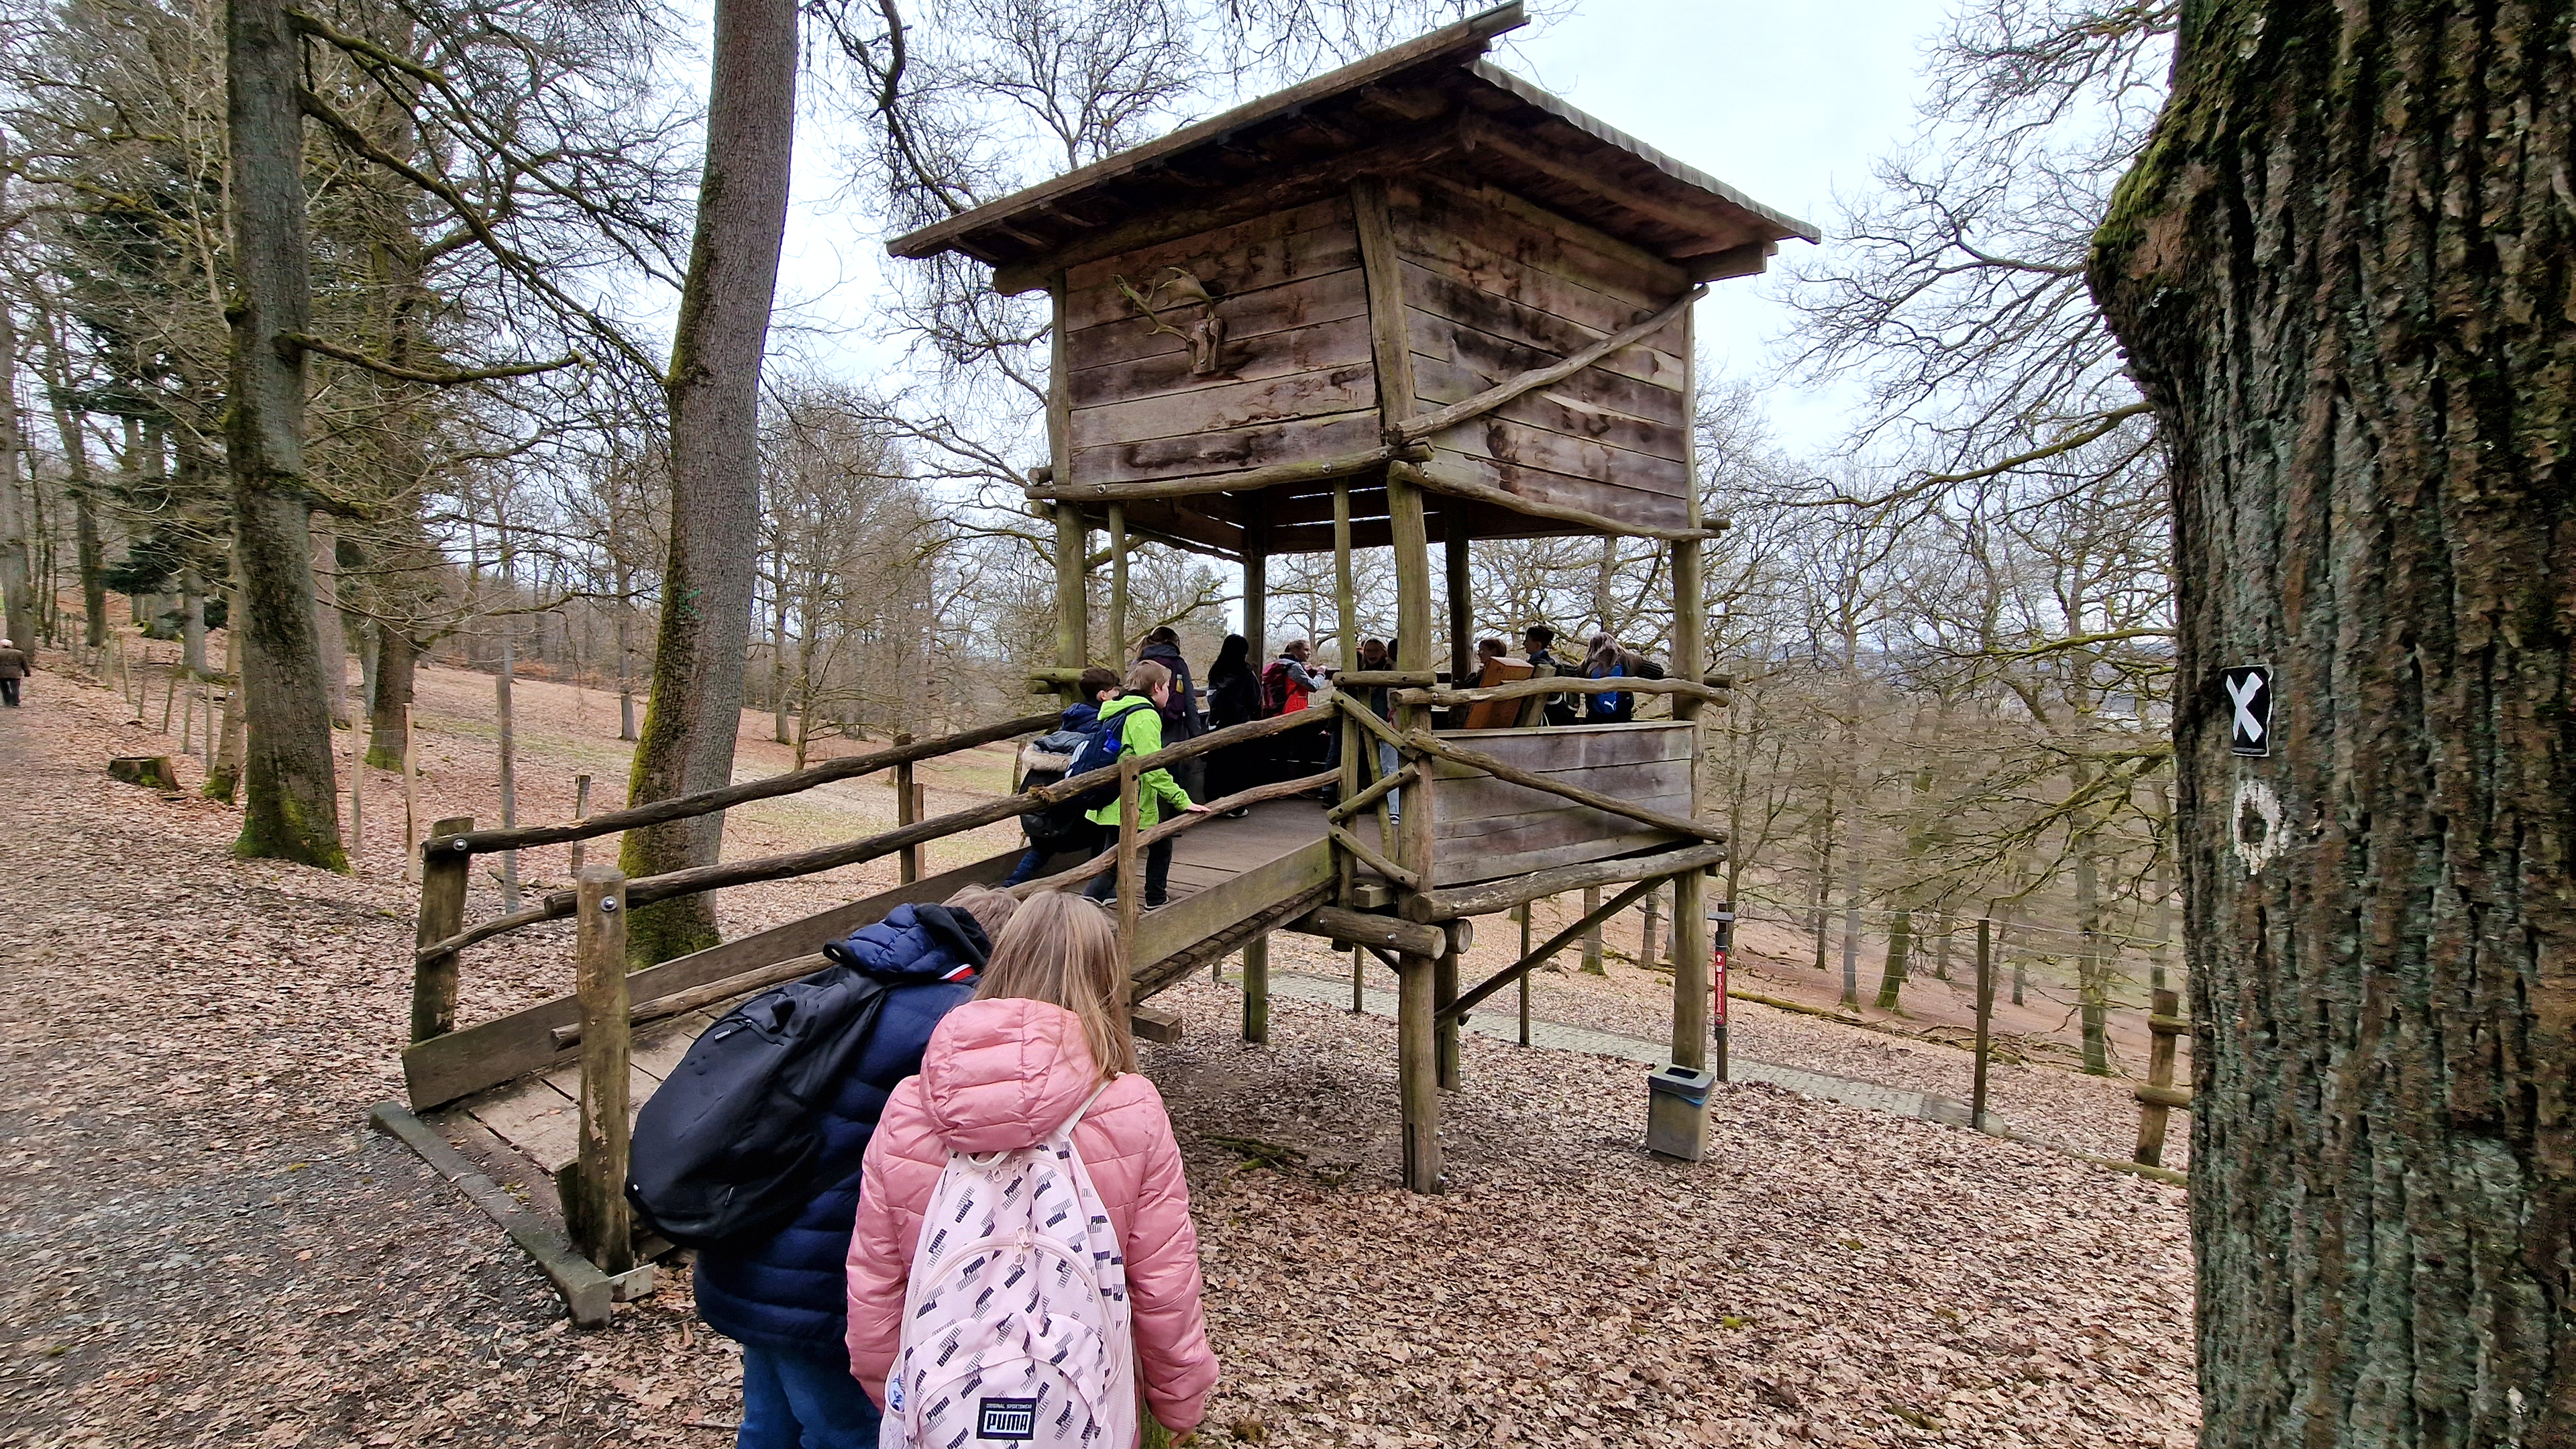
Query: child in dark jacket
{"type": "Point", "coordinates": [783, 1293]}
{"type": "Point", "coordinates": [1067, 829]}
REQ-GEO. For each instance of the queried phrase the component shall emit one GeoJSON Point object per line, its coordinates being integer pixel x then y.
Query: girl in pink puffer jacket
{"type": "Point", "coordinates": [1002, 1072]}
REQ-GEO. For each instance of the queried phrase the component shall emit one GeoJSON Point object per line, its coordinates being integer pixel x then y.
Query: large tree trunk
{"type": "Point", "coordinates": [293, 808]}
{"type": "Point", "coordinates": [694, 711]}
{"type": "Point", "coordinates": [391, 697]}
{"type": "Point", "coordinates": [17, 587]}
{"type": "Point", "coordinates": [2343, 271]}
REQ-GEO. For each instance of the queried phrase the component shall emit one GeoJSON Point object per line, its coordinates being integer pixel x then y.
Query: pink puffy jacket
{"type": "Point", "coordinates": [998, 1075]}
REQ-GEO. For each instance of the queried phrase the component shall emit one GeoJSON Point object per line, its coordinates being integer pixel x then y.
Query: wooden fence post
{"type": "Point", "coordinates": [1592, 938]}
{"type": "Point", "coordinates": [907, 811]}
{"type": "Point", "coordinates": [1985, 1017]}
{"type": "Point", "coordinates": [1444, 990]}
{"type": "Point", "coordinates": [1256, 989]}
{"type": "Point", "coordinates": [411, 796]}
{"type": "Point", "coordinates": [580, 811]}
{"type": "Point", "coordinates": [1521, 913]}
{"type": "Point", "coordinates": [358, 823]}
{"type": "Point", "coordinates": [596, 1214]}
{"type": "Point", "coordinates": [442, 914]}
{"type": "Point", "coordinates": [2164, 1024]}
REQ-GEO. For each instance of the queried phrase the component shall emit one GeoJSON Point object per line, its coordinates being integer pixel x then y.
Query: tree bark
{"type": "Point", "coordinates": [395, 653]}
{"type": "Point", "coordinates": [694, 711]}
{"type": "Point", "coordinates": [293, 808]}
{"type": "Point", "coordinates": [330, 638]}
{"type": "Point", "coordinates": [2343, 269]}
{"type": "Point", "coordinates": [17, 588]}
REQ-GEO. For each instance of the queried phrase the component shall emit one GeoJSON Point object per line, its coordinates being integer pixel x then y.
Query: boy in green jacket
{"type": "Point", "coordinates": [1138, 714]}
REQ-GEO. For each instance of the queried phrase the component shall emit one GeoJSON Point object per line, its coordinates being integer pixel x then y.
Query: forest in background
{"type": "Point", "coordinates": [1950, 637]}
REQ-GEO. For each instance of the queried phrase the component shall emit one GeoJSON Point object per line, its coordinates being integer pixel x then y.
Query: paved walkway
{"type": "Point", "coordinates": [1505, 1026]}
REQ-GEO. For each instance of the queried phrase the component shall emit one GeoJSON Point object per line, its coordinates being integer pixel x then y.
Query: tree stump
{"type": "Point", "coordinates": [151, 771]}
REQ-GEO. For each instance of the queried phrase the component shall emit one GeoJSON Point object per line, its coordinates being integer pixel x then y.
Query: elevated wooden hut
{"type": "Point", "coordinates": [1415, 300]}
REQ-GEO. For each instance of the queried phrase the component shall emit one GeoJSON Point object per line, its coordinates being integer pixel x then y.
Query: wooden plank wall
{"type": "Point", "coordinates": [1486, 828]}
{"type": "Point", "coordinates": [1296, 383]}
{"type": "Point", "coordinates": [1495, 286]}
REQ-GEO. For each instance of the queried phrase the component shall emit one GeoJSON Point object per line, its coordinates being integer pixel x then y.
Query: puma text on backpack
{"type": "Point", "coordinates": [1016, 1325]}
{"type": "Point", "coordinates": [728, 1143]}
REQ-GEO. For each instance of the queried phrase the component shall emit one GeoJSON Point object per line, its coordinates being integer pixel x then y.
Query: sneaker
{"type": "Point", "coordinates": [1153, 906]}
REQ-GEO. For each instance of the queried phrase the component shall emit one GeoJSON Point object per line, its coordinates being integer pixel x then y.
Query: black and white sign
{"type": "Point", "coordinates": [2249, 701]}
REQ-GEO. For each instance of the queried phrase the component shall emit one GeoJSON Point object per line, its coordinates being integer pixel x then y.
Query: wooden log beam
{"type": "Point", "coordinates": [2154, 1096]}
{"type": "Point", "coordinates": [1360, 928]}
{"type": "Point", "coordinates": [1427, 743]}
{"type": "Point", "coordinates": [681, 1003]}
{"type": "Point", "coordinates": [1239, 480]}
{"type": "Point", "coordinates": [1383, 678]}
{"type": "Point", "coordinates": [1451, 485]}
{"type": "Point", "coordinates": [695, 879]}
{"type": "Point", "coordinates": [1386, 784]}
{"type": "Point", "coordinates": [1370, 857]}
{"type": "Point", "coordinates": [1531, 960]}
{"type": "Point", "coordinates": [1559, 684]}
{"type": "Point", "coordinates": [1415, 429]}
{"type": "Point", "coordinates": [704, 802]}
{"type": "Point", "coordinates": [1107, 859]}
{"type": "Point", "coordinates": [1502, 895]}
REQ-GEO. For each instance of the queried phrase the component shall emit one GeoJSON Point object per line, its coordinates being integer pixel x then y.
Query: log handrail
{"type": "Point", "coordinates": [1560, 684]}
{"type": "Point", "coordinates": [695, 879]}
{"type": "Point", "coordinates": [707, 802]}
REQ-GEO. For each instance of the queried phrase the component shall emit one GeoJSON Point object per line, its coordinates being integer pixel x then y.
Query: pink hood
{"type": "Point", "coordinates": [1002, 1074]}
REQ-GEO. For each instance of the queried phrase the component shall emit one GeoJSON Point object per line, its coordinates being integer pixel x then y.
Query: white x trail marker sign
{"type": "Point", "coordinates": [2249, 694]}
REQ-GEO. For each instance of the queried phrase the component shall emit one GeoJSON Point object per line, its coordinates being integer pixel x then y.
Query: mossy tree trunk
{"type": "Point", "coordinates": [2344, 270]}
{"type": "Point", "coordinates": [694, 712]}
{"type": "Point", "coordinates": [292, 810]}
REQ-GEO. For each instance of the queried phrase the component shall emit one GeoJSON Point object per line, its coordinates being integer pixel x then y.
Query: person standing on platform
{"type": "Point", "coordinates": [1233, 698]}
{"type": "Point", "coordinates": [1607, 660]}
{"type": "Point", "coordinates": [1181, 717]}
{"type": "Point", "coordinates": [1138, 717]}
{"type": "Point", "coordinates": [1538, 641]}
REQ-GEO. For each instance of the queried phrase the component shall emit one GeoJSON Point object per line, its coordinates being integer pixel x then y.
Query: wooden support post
{"type": "Point", "coordinates": [1131, 883]}
{"type": "Point", "coordinates": [1462, 602]}
{"type": "Point", "coordinates": [1444, 990]}
{"type": "Point", "coordinates": [1646, 952]}
{"type": "Point", "coordinates": [1256, 589]}
{"type": "Point", "coordinates": [1521, 913]}
{"type": "Point", "coordinates": [2163, 1025]}
{"type": "Point", "coordinates": [907, 811]}
{"type": "Point", "coordinates": [442, 914]}
{"type": "Point", "coordinates": [1690, 887]}
{"type": "Point", "coordinates": [580, 811]}
{"type": "Point", "coordinates": [1121, 638]}
{"type": "Point", "coordinates": [1417, 1072]}
{"type": "Point", "coordinates": [411, 796]}
{"type": "Point", "coordinates": [1359, 981]}
{"type": "Point", "coordinates": [1592, 965]}
{"type": "Point", "coordinates": [1072, 594]}
{"type": "Point", "coordinates": [1985, 1017]}
{"type": "Point", "coordinates": [595, 1214]}
{"type": "Point", "coordinates": [1256, 989]}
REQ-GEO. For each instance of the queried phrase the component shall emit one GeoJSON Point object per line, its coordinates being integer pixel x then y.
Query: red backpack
{"type": "Point", "coordinates": [1280, 691]}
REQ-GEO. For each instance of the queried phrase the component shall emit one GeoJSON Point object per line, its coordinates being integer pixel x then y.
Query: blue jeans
{"type": "Point", "coordinates": [790, 1401]}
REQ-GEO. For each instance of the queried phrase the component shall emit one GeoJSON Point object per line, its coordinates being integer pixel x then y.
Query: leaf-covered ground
{"type": "Point", "coordinates": [209, 1247]}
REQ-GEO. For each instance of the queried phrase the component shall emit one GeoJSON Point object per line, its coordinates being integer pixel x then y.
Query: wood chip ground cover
{"type": "Point", "coordinates": [209, 1248]}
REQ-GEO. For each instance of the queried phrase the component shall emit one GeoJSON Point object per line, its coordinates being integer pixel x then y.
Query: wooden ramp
{"type": "Point", "coordinates": [504, 1093]}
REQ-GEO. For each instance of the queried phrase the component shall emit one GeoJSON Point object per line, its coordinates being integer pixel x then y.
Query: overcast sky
{"type": "Point", "coordinates": [1788, 103]}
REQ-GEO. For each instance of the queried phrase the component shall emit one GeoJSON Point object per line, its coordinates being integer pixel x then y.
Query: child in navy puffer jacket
{"type": "Point", "coordinates": [783, 1293]}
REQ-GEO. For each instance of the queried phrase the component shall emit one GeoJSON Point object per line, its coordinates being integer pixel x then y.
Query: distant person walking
{"type": "Point", "coordinates": [13, 670]}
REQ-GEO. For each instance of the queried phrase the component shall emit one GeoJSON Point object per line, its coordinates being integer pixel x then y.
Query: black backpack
{"type": "Point", "coordinates": [729, 1142]}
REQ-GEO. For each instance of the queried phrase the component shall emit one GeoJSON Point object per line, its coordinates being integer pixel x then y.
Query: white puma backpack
{"type": "Point", "coordinates": [1016, 1325]}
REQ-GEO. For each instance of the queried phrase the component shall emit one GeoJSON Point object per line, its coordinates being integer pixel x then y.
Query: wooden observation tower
{"type": "Point", "coordinates": [1414, 301]}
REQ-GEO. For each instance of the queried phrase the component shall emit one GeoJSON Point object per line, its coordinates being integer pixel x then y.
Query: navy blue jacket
{"type": "Point", "coordinates": [786, 1288]}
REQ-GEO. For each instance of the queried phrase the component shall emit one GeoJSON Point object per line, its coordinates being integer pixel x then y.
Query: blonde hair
{"type": "Point", "coordinates": [1145, 676]}
{"type": "Point", "coordinates": [1063, 949]}
{"type": "Point", "coordinates": [991, 909]}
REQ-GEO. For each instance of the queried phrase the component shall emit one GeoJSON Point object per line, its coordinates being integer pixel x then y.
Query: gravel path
{"type": "Point", "coordinates": [211, 1249]}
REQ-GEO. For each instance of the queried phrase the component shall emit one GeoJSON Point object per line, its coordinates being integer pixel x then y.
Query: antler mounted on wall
{"type": "Point", "coordinates": [1205, 337]}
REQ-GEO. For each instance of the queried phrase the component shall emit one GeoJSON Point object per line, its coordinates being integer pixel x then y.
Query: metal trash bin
{"type": "Point", "coordinates": [1677, 1111]}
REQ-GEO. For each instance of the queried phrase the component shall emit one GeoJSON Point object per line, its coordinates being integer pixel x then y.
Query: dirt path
{"type": "Point", "coordinates": [209, 1248]}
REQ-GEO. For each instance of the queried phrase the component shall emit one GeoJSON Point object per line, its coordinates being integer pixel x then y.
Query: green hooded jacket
{"type": "Point", "coordinates": [1140, 727]}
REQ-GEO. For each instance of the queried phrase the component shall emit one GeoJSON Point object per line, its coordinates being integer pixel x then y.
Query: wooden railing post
{"type": "Point", "coordinates": [907, 811]}
{"type": "Point", "coordinates": [580, 811]}
{"type": "Point", "coordinates": [596, 1213]}
{"type": "Point", "coordinates": [411, 796]}
{"type": "Point", "coordinates": [1256, 989]}
{"type": "Point", "coordinates": [443, 877]}
{"type": "Point", "coordinates": [1131, 883]}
